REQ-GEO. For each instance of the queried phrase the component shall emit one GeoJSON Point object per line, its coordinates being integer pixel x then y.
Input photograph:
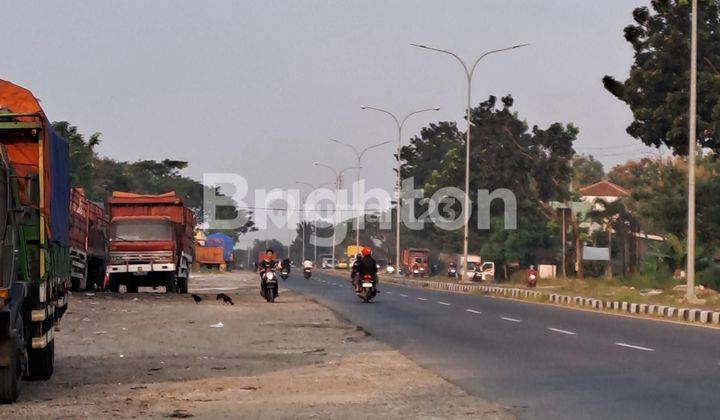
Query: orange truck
{"type": "Point", "coordinates": [88, 242]}
{"type": "Point", "coordinates": [210, 256]}
{"type": "Point", "coordinates": [150, 242]}
{"type": "Point", "coordinates": [415, 262]}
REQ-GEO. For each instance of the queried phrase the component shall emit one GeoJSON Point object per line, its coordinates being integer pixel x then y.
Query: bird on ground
{"type": "Point", "coordinates": [225, 298]}
{"type": "Point", "coordinates": [196, 298]}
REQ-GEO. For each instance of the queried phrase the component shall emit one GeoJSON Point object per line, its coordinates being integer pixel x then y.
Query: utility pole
{"type": "Point", "coordinates": [314, 229]}
{"type": "Point", "coordinates": [469, 71]}
{"type": "Point", "coordinates": [400, 124]}
{"type": "Point", "coordinates": [359, 155]}
{"type": "Point", "coordinates": [338, 184]}
{"type": "Point", "coordinates": [564, 244]}
{"type": "Point", "coordinates": [692, 139]}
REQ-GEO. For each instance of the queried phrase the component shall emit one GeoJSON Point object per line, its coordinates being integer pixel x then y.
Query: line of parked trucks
{"type": "Point", "coordinates": [53, 239]}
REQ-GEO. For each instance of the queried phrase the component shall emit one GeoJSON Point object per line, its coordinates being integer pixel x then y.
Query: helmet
{"type": "Point", "coordinates": [365, 251]}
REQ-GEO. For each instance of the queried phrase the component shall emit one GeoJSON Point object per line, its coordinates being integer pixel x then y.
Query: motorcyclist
{"type": "Point", "coordinates": [366, 267]}
{"type": "Point", "coordinates": [532, 276]}
{"type": "Point", "coordinates": [308, 265]}
{"type": "Point", "coordinates": [354, 270]}
{"type": "Point", "coordinates": [268, 263]}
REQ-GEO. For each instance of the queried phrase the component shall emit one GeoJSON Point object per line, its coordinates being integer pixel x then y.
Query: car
{"type": "Point", "coordinates": [327, 263]}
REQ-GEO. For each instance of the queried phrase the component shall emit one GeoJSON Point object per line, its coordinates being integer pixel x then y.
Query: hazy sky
{"type": "Point", "coordinates": [257, 87]}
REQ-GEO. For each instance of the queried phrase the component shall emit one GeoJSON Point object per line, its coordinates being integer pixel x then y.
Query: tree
{"type": "Point", "coordinates": [586, 170]}
{"type": "Point", "coordinates": [505, 153]}
{"type": "Point", "coordinates": [657, 90]}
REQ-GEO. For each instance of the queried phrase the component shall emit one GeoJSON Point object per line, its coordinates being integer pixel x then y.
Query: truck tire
{"type": "Point", "coordinates": [131, 287]}
{"type": "Point", "coordinates": [41, 362]}
{"type": "Point", "coordinates": [75, 284]}
{"type": "Point", "coordinates": [114, 284]}
{"type": "Point", "coordinates": [11, 375]}
{"type": "Point", "coordinates": [171, 283]}
{"type": "Point", "coordinates": [10, 380]}
{"type": "Point", "coordinates": [182, 285]}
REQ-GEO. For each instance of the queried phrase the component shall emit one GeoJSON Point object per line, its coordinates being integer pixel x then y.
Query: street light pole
{"type": "Point", "coordinates": [359, 154]}
{"type": "Point", "coordinates": [302, 223]}
{"type": "Point", "coordinates": [400, 124]}
{"type": "Point", "coordinates": [469, 74]}
{"type": "Point", "coordinates": [338, 183]}
{"type": "Point", "coordinates": [692, 139]}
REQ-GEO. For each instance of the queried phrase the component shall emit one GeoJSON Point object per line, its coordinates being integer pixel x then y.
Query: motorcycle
{"type": "Point", "coordinates": [307, 272]}
{"type": "Point", "coordinates": [368, 288]}
{"type": "Point", "coordinates": [477, 275]}
{"type": "Point", "coordinates": [285, 273]}
{"type": "Point", "coordinates": [269, 286]}
{"type": "Point", "coordinates": [532, 280]}
{"type": "Point", "coordinates": [452, 271]}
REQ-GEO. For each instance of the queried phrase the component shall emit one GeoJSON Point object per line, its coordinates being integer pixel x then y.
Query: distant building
{"type": "Point", "coordinates": [604, 190]}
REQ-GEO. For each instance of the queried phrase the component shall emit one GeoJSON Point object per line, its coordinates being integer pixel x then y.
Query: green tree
{"type": "Point", "coordinates": [586, 170]}
{"type": "Point", "coordinates": [657, 90]}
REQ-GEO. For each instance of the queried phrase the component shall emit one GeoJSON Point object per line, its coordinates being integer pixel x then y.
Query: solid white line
{"type": "Point", "coordinates": [510, 319]}
{"type": "Point", "coordinates": [634, 347]}
{"type": "Point", "coordinates": [444, 303]}
{"type": "Point", "coordinates": [562, 331]}
{"type": "Point", "coordinates": [473, 311]}
{"type": "Point", "coordinates": [403, 295]}
{"type": "Point", "coordinates": [423, 299]}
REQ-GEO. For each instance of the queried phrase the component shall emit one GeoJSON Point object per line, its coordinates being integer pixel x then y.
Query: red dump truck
{"type": "Point", "coordinates": [150, 242]}
{"type": "Point", "coordinates": [415, 262]}
{"type": "Point", "coordinates": [88, 241]}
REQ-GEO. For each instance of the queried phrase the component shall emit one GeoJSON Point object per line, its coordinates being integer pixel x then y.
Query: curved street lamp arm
{"type": "Point", "coordinates": [384, 111]}
{"type": "Point", "coordinates": [357, 154]}
{"type": "Point", "coordinates": [402, 123]}
{"type": "Point", "coordinates": [372, 147]}
{"type": "Point", "coordinates": [485, 54]}
{"type": "Point", "coordinates": [460, 60]}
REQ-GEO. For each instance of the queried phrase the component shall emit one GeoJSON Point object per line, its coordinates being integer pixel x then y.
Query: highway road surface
{"type": "Point", "coordinates": [542, 360]}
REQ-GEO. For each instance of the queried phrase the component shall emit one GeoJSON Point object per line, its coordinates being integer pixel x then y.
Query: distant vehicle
{"type": "Point", "coordinates": [328, 262]}
{"type": "Point", "coordinates": [342, 265]}
{"type": "Point", "coordinates": [88, 242]}
{"type": "Point", "coordinates": [151, 242]}
{"type": "Point", "coordinates": [35, 250]}
{"type": "Point", "coordinates": [381, 264]}
{"type": "Point", "coordinates": [226, 243]}
{"type": "Point", "coordinates": [415, 262]}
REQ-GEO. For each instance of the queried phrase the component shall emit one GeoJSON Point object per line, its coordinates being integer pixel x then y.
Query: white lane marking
{"type": "Point", "coordinates": [403, 295]}
{"type": "Point", "coordinates": [634, 347]}
{"type": "Point", "coordinates": [510, 319]}
{"type": "Point", "coordinates": [473, 311]}
{"type": "Point", "coordinates": [389, 293]}
{"type": "Point", "coordinates": [444, 303]}
{"type": "Point", "coordinates": [562, 331]}
{"type": "Point", "coordinates": [423, 299]}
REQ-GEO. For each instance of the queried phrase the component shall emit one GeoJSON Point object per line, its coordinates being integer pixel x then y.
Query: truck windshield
{"type": "Point", "coordinates": [141, 230]}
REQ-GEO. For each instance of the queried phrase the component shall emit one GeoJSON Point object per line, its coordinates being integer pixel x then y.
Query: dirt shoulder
{"type": "Point", "coordinates": [156, 355]}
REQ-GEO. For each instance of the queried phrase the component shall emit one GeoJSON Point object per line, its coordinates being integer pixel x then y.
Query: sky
{"type": "Point", "coordinates": [257, 88]}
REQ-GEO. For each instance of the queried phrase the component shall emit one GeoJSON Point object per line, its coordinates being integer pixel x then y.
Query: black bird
{"type": "Point", "coordinates": [196, 298]}
{"type": "Point", "coordinates": [225, 298]}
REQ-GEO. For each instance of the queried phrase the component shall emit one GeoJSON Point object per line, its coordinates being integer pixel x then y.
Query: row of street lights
{"type": "Point", "coordinates": [469, 72]}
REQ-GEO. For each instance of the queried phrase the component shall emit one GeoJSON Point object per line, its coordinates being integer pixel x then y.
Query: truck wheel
{"type": "Point", "coordinates": [75, 284]}
{"type": "Point", "coordinates": [182, 285]}
{"type": "Point", "coordinates": [11, 375]}
{"type": "Point", "coordinates": [132, 288]}
{"type": "Point", "coordinates": [171, 283]}
{"type": "Point", "coordinates": [41, 362]}
{"type": "Point", "coordinates": [114, 284]}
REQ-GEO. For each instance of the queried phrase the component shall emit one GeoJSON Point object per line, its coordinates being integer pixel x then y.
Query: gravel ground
{"type": "Point", "coordinates": [156, 355]}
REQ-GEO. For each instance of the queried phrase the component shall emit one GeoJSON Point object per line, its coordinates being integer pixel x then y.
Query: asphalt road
{"type": "Point", "coordinates": [545, 361]}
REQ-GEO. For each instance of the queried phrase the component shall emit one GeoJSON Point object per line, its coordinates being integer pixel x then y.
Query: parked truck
{"type": "Point", "coordinates": [34, 239]}
{"type": "Point", "coordinates": [415, 262]}
{"type": "Point", "coordinates": [227, 245]}
{"type": "Point", "coordinates": [150, 242]}
{"type": "Point", "coordinates": [88, 242]}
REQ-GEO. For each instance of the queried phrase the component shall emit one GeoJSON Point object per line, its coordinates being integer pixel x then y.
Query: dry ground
{"type": "Point", "coordinates": [156, 355]}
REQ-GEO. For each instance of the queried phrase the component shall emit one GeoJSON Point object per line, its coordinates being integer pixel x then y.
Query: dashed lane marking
{"type": "Point", "coordinates": [423, 299]}
{"type": "Point", "coordinates": [510, 319]}
{"type": "Point", "coordinates": [630, 346]}
{"type": "Point", "coordinates": [403, 295]}
{"type": "Point", "coordinates": [562, 331]}
{"type": "Point", "coordinates": [444, 303]}
{"type": "Point", "coordinates": [473, 311]}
